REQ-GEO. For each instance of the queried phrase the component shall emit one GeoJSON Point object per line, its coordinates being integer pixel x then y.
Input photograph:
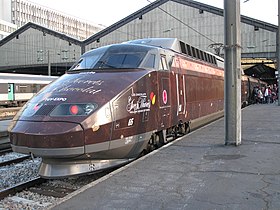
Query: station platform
{"type": "Point", "coordinates": [198, 172]}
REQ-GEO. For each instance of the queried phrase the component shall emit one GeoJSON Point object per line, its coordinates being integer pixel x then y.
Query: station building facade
{"type": "Point", "coordinates": [197, 24]}
{"type": "Point", "coordinates": [20, 12]}
{"type": "Point", "coordinates": [33, 48]}
{"type": "Point", "coordinates": [6, 28]}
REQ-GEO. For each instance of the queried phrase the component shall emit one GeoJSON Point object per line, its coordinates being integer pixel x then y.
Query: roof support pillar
{"type": "Point", "coordinates": [83, 48]}
{"type": "Point", "coordinates": [278, 52]}
{"type": "Point", "coordinates": [232, 87]}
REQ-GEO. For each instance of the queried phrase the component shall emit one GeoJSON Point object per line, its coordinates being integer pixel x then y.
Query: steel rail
{"type": "Point", "coordinates": [21, 186]}
{"type": "Point", "coordinates": [5, 150]}
{"type": "Point", "coordinates": [16, 160]}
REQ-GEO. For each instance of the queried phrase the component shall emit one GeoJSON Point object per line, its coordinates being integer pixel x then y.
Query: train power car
{"type": "Point", "coordinates": [118, 101]}
{"type": "Point", "coordinates": [17, 89]}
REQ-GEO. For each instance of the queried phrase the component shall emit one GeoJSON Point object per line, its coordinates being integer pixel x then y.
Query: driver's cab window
{"type": "Point", "coordinates": [163, 63]}
{"type": "Point", "coordinates": [150, 61]}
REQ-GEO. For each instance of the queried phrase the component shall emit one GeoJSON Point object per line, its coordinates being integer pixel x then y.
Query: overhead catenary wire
{"type": "Point", "coordinates": [185, 24]}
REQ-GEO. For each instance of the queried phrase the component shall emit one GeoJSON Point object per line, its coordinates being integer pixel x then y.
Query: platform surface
{"type": "Point", "coordinates": [198, 172]}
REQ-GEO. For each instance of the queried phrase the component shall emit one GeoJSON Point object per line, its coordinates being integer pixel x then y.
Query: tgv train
{"type": "Point", "coordinates": [119, 101]}
{"type": "Point", "coordinates": [16, 89]}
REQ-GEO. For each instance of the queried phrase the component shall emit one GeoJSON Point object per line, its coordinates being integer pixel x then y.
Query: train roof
{"type": "Point", "coordinates": [168, 43]}
{"type": "Point", "coordinates": [181, 47]}
{"type": "Point", "coordinates": [173, 44]}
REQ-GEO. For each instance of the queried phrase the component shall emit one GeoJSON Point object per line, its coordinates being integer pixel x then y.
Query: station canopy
{"type": "Point", "coordinates": [263, 72]}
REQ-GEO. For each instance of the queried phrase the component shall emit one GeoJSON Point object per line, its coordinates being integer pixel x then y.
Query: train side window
{"type": "Point", "coordinates": [198, 53]}
{"type": "Point", "coordinates": [189, 50]}
{"type": "Point", "coordinates": [183, 47]}
{"type": "Point", "coordinates": [207, 57]}
{"type": "Point", "coordinates": [193, 52]}
{"type": "Point", "coordinates": [150, 62]}
{"type": "Point", "coordinates": [3, 88]}
{"type": "Point", "coordinates": [211, 59]}
{"type": "Point", "coordinates": [163, 63]}
{"type": "Point", "coordinates": [23, 89]}
{"type": "Point", "coordinates": [204, 56]}
{"type": "Point", "coordinates": [214, 59]}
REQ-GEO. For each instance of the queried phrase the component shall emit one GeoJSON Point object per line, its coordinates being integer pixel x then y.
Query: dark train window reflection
{"type": "Point", "coordinates": [119, 56]}
{"type": "Point", "coordinates": [150, 62]}
{"type": "Point", "coordinates": [88, 61]}
{"type": "Point", "coordinates": [120, 60]}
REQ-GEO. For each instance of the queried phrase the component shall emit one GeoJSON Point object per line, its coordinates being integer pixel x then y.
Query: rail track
{"type": "Point", "coordinates": [18, 172]}
{"type": "Point", "coordinates": [5, 150]}
{"type": "Point", "coordinates": [47, 192]}
{"type": "Point", "coordinates": [5, 145]}
{"type": "Point", "coordinates": [21, 186]}
{"type": "Point", "coordinates": [14, 160]}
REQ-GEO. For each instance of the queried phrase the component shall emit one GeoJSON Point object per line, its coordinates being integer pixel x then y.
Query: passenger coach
{"type": "Point", "coordinates": [17, 89]}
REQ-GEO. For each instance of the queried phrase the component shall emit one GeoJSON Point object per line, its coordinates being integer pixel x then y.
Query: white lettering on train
{"type": "Point", "coordinates": [55, 99]}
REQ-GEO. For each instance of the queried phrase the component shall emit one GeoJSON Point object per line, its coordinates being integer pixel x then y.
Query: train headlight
{"type": "Point", "coordinates": [73, 109]}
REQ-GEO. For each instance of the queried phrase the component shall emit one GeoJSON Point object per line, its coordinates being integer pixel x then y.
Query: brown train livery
{"type": "Point", "coordinates": [119, 101]}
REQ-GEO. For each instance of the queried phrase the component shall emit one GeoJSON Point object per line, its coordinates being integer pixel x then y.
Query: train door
{"type": "Point", "coordinates": [164, 94]}
{"type": "Point", "coordinates": [180, 88]}
{"type": "Point", "coordinates": [11, 92]}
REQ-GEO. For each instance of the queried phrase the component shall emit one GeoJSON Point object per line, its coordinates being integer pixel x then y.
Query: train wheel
{"type": "Point", "coordinates": [161, 138]}
{"type": "Point", "coordinates": [183, 128]}
{"type": "Point", "coordinates": [188, 127]}
{"type": "Point", "coordinates": [156, 141]}
{"type": "Point", "coordinates": [171, 133]}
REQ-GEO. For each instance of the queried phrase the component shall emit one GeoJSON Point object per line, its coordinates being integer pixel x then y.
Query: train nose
{"type": "Point", "coordinates": [48, 139]}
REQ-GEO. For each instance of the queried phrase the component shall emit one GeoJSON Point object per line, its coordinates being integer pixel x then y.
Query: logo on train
{"type": "Point", "coordinates": [164, 96]}
{"type": "Point", "coordinates": [138, 102]}
{"type": "Point", "coordinates": [153, 98]}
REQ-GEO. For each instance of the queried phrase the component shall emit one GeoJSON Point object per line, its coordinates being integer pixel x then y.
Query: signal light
{"type": "Point", "coordinates": [74, 109]}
